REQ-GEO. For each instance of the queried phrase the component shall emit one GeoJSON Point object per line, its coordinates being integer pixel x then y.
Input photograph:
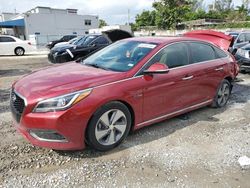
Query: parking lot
{"type": "Point", "coordinates": [200, 149]}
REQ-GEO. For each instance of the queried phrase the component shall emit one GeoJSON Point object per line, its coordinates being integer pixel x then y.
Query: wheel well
{"type": "Point", "coordinates": [130, 110]}
{"type": "Point", "coordinates": [19, 47]}
{"type": "Point", "coordinates": [230, 79]}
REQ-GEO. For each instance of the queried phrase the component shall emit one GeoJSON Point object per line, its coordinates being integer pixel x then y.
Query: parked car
{"type": "Point", "coordinates": [65, 38]}
{"type": "Point", "coordinates": [234, 34]}
{"type": "Point", "coordinates": [10, 45]}
{"type": "Point", "coordinates": [128, 85]}
{"type": "Point", "coordinates": [72, 41]}
{"type": "Point", "coordinates": [85, 46]}
{"type": "Point", "coordinates": [240, 40]}
{"type": "Point", "coordinates": [243, 58]}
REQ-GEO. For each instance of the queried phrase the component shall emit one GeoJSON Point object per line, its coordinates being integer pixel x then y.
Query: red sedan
{"type": "Point", "coordinates": [125, 86]}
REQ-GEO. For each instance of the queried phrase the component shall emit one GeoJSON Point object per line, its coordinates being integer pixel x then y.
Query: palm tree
{"type": "Point", "coordinates": [242, 9]}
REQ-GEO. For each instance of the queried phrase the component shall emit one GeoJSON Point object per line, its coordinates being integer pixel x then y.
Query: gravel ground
{"type": "Point", "coordinates": [200, 149]}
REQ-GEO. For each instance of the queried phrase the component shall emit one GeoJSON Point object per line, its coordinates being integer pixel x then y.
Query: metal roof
{"type": "Point", "coordinates": [12, 23]}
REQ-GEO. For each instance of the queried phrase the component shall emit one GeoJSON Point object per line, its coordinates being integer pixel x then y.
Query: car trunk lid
{"type": "Point", "coordinates": [116, 34]}
{"type": "Point", "coordinates": [218, 38]}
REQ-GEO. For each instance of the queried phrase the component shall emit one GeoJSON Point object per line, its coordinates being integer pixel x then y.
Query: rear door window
{"type": "Point", "coordinates": [201, 52]}
{"type": "Point", "coordinates": [7, 39]}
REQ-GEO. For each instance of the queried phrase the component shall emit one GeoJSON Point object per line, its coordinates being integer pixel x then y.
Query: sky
{"type": "Point", "coordinates": [112, 11]}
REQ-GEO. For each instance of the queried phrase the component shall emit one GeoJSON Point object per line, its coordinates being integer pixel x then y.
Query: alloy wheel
{"type": "Point", "coordinates": [110, 127]}
{"type": "Point", "coordinates": [223, 94]}
{"type": "Point", "coordinates": [19, 51]}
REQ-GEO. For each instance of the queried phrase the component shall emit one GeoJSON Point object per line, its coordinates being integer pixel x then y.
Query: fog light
{"type": "Point", "coordinates": [47, 135]}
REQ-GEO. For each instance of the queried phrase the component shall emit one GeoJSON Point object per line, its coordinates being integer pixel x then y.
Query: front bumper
{"type": "Point", "coordinates": [244, 63]}
{"type": "Point", "coordinates": [55, 58]}
{"type": "Point", "coordinates": [62, 130]}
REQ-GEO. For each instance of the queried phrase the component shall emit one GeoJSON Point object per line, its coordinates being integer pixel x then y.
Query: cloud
{"type": "Point", "coordinates": [114, 12]}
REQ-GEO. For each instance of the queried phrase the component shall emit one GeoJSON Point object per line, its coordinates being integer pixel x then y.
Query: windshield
{"type": "Point", "coordinates": [86, 40]}
{"type": "Point", "coordinates": [76, 40]}
{"type": "Point", "coordinates": [120, 56]}
{"type": "Point", "coordinates": [72, 41]}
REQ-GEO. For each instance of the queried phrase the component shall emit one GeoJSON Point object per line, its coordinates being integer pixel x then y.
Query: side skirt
{"type": "Point", "coordinates": [173, 114]}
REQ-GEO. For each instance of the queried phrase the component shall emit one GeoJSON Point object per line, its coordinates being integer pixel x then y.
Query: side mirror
{"type": "Point", "coordinates": [92, 45]}
{"type": "Point", "coordinates": [157, 68]}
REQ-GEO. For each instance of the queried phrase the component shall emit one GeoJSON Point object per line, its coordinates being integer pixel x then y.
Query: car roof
{"type": "Point", "coordinates": [164, 40]}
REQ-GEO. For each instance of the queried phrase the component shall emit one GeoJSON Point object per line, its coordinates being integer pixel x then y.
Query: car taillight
{"type": "Point", "coordinates": [29, 43]}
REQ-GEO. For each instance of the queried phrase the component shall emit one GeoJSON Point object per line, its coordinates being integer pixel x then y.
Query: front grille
{"type": "Point", "coordinates": [17, 105]}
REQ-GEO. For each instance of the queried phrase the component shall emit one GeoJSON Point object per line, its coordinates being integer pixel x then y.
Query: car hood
{"type": "Point", "coordinates": [63, 79]}
{"type": "Point", "coordinates": [116, 34]}
{"type": "Point", "coordinates": [60, 44]}
{"type": "Point", "coordinates": [63, 47]}
{"type": "Point", "coordinates": [218, 38]}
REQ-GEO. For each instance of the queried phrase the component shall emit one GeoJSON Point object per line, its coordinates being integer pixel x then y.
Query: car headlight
{"type": "Point", "coordinates": [243, 53]}
{"type": "Point", "coordinates": [61, 102]}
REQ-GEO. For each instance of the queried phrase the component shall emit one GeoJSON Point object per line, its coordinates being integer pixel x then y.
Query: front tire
{"type": "Point", "coordinates": [19, 51]}
{"type": "Point", "coordinates": [109, 126]}
{"type": "Point", "coordinates": [222, 94]}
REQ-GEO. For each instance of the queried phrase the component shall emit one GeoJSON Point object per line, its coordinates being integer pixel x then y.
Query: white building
{"type": "Point", "coordinates": [109, 27]}
{"type": "Point", "coordinates": [4, 16]}
{"type": "Point", "coordinates": [50, 22]}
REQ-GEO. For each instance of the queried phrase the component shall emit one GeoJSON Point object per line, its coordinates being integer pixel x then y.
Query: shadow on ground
{"type": "Point", "coordinates": [240, 94]}
{"type": "Point", "coordinates": [13, 72]}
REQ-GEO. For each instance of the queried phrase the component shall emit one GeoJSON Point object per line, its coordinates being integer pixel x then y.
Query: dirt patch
{"type": "Point", "coordinates": [199, 149]}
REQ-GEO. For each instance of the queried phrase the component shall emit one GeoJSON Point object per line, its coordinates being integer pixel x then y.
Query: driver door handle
{"type": "Point", "coordinates": [188, 77]}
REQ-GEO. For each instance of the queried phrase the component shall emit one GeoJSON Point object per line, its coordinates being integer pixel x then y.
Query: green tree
{"type": "Point", "coordinates": [102, 23]}
{"type": "Point", "coordinates": [171, 12]}
{"type": "Point", "coordinates": [146, 18]}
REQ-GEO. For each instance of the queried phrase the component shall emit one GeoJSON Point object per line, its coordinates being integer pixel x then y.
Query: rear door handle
{"type": "Point", "coordinates": [219, 69]}
{"type": "Point", "coordinates": [188, 77]}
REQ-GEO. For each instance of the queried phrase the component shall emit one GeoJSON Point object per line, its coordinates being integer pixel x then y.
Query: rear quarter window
{"type": "Point", "coordinates": [201, 52]}
{"type": "Point", "coordinates": [220, 53]}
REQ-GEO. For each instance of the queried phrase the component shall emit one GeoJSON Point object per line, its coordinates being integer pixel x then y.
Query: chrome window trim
{"type": "Point", "coordinates": [173, 113]}
{"type": "Point", "coordinates": [22, 97]}
{"type": "Point", "coordinates": [187, 41]}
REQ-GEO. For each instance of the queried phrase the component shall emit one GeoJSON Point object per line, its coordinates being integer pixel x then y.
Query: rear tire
{"type": "Point", "coordinates": [109, 126]}
{"type": "Point", "coordinates": [222, 94]}
{"type": "Point", "coordinates": [19, 51]}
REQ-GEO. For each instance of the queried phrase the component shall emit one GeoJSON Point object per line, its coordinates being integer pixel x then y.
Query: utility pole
{"type": "Point", "coordinates": [128, 16]}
